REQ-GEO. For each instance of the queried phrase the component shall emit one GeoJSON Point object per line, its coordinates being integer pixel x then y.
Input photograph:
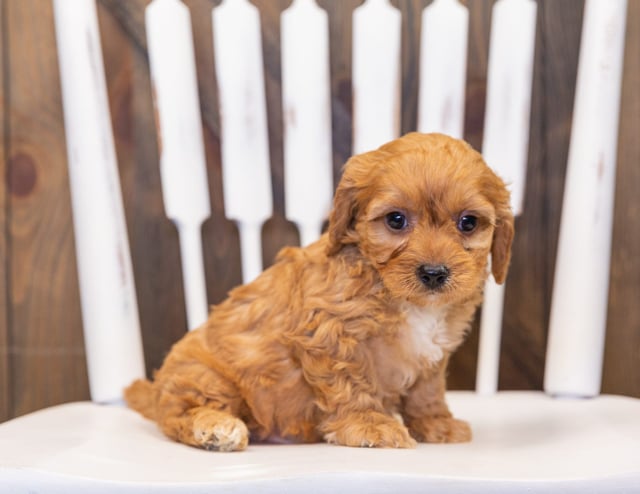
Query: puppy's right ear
{"type": "Point", "coordinates": [342, 218]}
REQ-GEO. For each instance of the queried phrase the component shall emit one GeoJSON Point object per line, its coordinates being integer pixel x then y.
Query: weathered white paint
{"type": "Point", "coordinates": [522, 441]}
{"type": "Point", "coordinates": [182, 160]}
{"type": "Point", "coordinates": [306, 100]}
{"type": "Point", "coordinates": [443, 68]}
{"type": "Point", "coordinates": [510, 74]}
{"type": "Point", "coordinates": [107, 291]}
{"type": "Point", "coordinates": [490, 336]}
{"type": "Point", "coordinates": [243, 126]}
{"type": "Point", "coordinates": [82, 447]}
{"type": "Point", "coordinates": [376, 75]}
{"type": "Point", "coordinates": [580, 292]}
{"type": "Point", "coordinates": [505, 146]}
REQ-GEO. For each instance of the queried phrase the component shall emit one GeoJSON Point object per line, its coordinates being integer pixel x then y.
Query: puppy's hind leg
{"type": "Point", "coordinates": [196, 404]}
{"type": "Point", "coordinates": [202, 422]}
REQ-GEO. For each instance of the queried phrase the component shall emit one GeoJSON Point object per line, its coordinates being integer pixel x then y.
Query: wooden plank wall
{"type": "Point", "coordinates": [4, 308]}
{"type": "Point", "coordinates": [43, 345]}
{"type": "Point", "coordinates": [622, 367]}
{"type": "Point", "coordinates": [41, 342]}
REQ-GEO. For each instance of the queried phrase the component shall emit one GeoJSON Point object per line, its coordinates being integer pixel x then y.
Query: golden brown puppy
{"type": "Point", "coordinates": [348, 340]}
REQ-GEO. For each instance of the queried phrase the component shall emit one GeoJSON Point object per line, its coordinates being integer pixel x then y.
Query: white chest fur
{"type": "Point", "coordinates": [427, 332]}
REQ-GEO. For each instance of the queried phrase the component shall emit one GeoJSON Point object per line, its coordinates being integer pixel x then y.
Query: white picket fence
{"type": "Point", "coordinates": [523, 439]}
{"type": "Point", "coordinates": [307, 145]}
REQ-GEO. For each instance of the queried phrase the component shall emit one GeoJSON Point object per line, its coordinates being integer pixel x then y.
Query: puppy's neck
{"type": "Point", "coordinates": [428, 332]}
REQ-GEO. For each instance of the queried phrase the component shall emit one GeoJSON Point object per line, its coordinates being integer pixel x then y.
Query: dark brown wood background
{"type": "Point", "coordinates": [42, 358]}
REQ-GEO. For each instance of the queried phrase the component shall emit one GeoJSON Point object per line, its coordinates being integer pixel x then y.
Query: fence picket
{"type": "Point", "coordinates": [107, 290]}
{"type": "Point", "coordinates": [182, 161]}
{"type": "Point", "coordinates": [243, 126]}
{"type": "Point", "coordinates": [505, 147]}
{"type": "Point", "coordinates": [445, 23]}
{"type": "Point", "coordinates": [307, 117]}
{"type": "Point", "coordinates": [580, 292]}
{"type": "Point", "coordinates": [376, 75]}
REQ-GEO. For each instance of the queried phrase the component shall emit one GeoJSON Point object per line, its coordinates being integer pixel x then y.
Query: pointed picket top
{"type": "Point", "coordinates": [509, 81]}
{"type": "Point", "coordinates": [506, 146]}
{"type": "Point", "coordinates": [579, 303]}
{"type": "Point", "coordinates": [175, 91]}
{"type": "Point", "coordinates": [376, 74]}
{"type": "Point", "coordinates": [306, 104]}
{"type": "Point", "coordinates": [246, 169]}
{"type": "Point", "coordinates": [443, 68]}
{"type": "Point", "coordinates": [182, 160]}
{"type": "Point", "coordinates": [107, 290]}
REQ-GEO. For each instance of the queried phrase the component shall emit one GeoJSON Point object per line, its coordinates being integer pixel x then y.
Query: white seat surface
{"type": "Point", "coordinates": [521, 440]}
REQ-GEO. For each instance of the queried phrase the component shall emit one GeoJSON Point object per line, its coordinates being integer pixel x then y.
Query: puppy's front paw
{"type": "Point", "coordinates": [440, 430]}
{"type": "Point", "coordinates": [371, 430]}
{"type": "Point", "coordinates": [220, 432]}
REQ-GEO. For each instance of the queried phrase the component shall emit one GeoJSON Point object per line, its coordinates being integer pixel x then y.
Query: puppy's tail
{"type": "Point", "coordinates": [140, 396]}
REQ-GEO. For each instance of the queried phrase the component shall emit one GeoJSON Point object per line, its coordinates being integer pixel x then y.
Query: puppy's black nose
{"type": "Point", "coordinates": [432, 276]}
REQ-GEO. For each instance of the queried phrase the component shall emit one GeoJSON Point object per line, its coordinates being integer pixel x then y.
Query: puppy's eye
{"type": "Point", "coordinates": [396, 220]}
{"type": "Point", "coordinates": [467, 223]}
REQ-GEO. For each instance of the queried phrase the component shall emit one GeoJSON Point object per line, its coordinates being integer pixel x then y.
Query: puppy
{"type": "Point", "coordinates": [348, 340]}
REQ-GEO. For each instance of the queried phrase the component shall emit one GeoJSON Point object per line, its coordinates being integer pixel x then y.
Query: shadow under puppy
{"type": "Point", "coordinates": [348, 340]}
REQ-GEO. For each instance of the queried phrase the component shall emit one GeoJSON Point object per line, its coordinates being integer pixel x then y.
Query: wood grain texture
{"type": "Point", "coordinates": [153, 238]}
{"type": "Point", "coordinates": [410, 45]}
{"type": "Point", "coordinates": [622, 349]}
{"type": "Point", "coordinates": [41, 352]}
{"type": "Point", "coordinates": [477, 64]}
{"type": "Point", "coordinates": [47, 354]}
{"type": "Point", "coordinates": [277, 232]}
{"type": "Point", "coordinates": [528, 299]}
{"type": "Point", "coordinates": [5, 364]}
{"type": "Point", "coordinates": [220, 237]}
{"type": "Point", "coordinates": [340, 39]}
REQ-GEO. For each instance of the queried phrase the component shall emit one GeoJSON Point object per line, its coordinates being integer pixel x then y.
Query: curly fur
{"type": "Point", "coordinates": [341, 340]}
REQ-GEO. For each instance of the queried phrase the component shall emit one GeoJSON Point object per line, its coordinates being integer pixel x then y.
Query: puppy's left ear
{"type": "Point", "coordinates": [501, 246]}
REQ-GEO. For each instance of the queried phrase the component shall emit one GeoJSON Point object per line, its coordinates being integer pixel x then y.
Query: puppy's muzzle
{"type": "Point", "coordinates": [433, 277]}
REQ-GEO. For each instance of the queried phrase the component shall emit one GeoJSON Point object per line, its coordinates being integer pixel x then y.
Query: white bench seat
{"type": "Point", "coordinates": [522, 441]}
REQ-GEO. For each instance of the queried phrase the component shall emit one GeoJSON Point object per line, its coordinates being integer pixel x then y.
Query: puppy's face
{"type": "Point", "coordinates": [426, 211]}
